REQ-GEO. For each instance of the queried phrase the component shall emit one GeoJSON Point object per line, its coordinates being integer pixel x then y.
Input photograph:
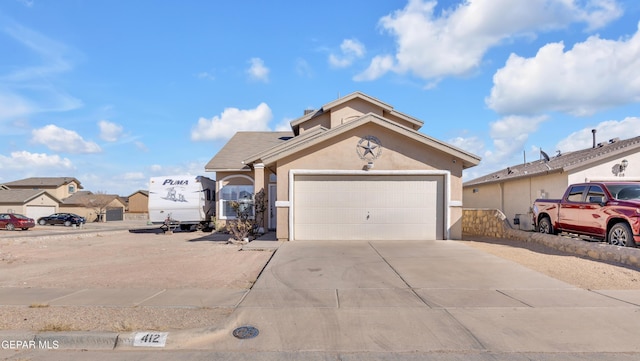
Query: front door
{"type": "Point", "coordinates": [273, 190]}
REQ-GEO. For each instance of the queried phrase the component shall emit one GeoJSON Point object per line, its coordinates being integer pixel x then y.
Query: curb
{"type": "Point", "coordinates": [17, 341]}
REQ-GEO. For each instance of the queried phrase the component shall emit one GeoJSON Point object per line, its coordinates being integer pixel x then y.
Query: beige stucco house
{"type": "Point", "coordinates": [37, 197]}
{"type": "Point", "coordinates": [59, 187]}
{"type": "Point", "coordinates": [34, 203]}
{"type": "Point", "coordinates": [94, 207]}
{"type": "Point", "coordinates": [355, 169]}
{"type": "Point", "coordinates": [514, 189]}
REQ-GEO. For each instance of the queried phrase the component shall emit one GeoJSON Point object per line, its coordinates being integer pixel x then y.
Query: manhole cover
{"type": "Point", "coordinates": [245, 332]}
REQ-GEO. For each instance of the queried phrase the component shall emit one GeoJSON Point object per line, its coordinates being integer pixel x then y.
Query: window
{"type": "Point", "coordinates": [239, 193]}
{"type": "Point", "coordinates": [595, 195]}
{"type": "Point", "coordinates": [72, 188]}
{"type": "Point", "coordinates": [575, 194]}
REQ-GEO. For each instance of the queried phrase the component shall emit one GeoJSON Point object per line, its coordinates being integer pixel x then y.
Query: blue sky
{"type": "Point", "coordinates": [114, 92]}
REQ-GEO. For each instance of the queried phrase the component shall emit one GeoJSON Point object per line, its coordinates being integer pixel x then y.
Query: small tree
{"type": "Point", "coordinates": [260, 204]}
{"type": "Point", "coordinates": [241, 227]}
{"type": "Point", "coordinates": [98, 202]}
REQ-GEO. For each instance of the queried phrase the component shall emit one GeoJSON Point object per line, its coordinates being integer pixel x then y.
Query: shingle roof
{"type": "Point", "coordinates": [241, 146]}
{"type": "Point", "coordinates": [295, 124]}
{"type": "Point", "coordinates": [560, 163]}
{"type": "Point", "coordinates": [85, 198]}
{"type": "Point", "coordinates": [21, 196]}
{"type": "Point", "coordinates": [43, 182]}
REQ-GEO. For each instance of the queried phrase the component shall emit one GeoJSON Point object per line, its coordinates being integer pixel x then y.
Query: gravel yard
{"type": "Point", "coordinates": [121, 259]}
{"type": "Point", "coordinates": [197, 260]}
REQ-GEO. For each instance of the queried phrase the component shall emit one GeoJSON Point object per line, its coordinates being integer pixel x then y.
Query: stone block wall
{"type": "Point", "coordinates": [492, 223]}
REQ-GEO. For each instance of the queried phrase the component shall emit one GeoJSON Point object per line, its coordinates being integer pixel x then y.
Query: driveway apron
{"type": "Point", "coordinates": [428, 296]}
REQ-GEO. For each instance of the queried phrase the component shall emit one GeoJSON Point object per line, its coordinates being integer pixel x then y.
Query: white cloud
{"type": "Point", "coordinates": [31, 89]}
{"type": "Point", "coordinates": [378, 67]}
{"type": "Point", "coordinates": [109, 131]}
{"type": "Point", "coordinates": [134, 176]}
{"type": "Point", "coordinates": [593, 75]}
{"type": "Point", "coordinates": [351, 49]}
{"type": "Point", "coordinates": [472, 145]}
{"type": "Point", "coordinates": [454, 42]}
{"type": "Point", "coordinates": [141, 146]}
{"type": "Point", "coordinates": [303, 68]}
{"type": "Point", "coordinates": [28, 161]}
{"type": "Point", "coordinates": [610, 129]}
{"type": "Point", "coordinates": [231, 121]}
{"type": "Point", "coordinates": [63, 140]}
{"type": "Point", "coordinates": [13, 106]}
{"type": "Point", "coordinates": [257, 70]}
{"type": "Point", "coordinates": [509, 136]}
{"type": "Point", "coordinates": [206, 75]}
{"type": "Point", "coordinates": [284, 125]}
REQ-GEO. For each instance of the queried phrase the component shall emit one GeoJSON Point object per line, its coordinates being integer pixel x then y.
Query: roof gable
{"type": "Point", "coordinates": [303, 142]}
{"type": "Point", "coordinates": [360, 102]}
{"type": "Point", "coordinates": [22, 196]}
{"type": "Point", "coordinates": [562, 162]}
{"type": "Point", "coordinates": [43, 182]}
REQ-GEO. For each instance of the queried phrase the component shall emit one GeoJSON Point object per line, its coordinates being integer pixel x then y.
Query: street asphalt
{"type": "Point", "coordinates": [402, 300]}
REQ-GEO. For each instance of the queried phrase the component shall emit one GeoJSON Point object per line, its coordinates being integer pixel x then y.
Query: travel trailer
{"type": "Point", "coordinates": [184, 200]}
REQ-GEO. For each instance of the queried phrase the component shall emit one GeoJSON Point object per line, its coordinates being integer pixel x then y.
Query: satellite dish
{"type": "Point", "coordinates": [544, 155]}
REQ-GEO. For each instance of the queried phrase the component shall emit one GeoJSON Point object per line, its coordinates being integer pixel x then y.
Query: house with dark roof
{"type": "Point", "coordinates": [94, 206]}
{"type": "Point", "coordinates": [514, 189]}
{"type": "Point", "coordinates": [59, 187]}
{"type": "Point", "coordinates": [355, 169]}
{"type": "Point", "coordinates": [34, 203]}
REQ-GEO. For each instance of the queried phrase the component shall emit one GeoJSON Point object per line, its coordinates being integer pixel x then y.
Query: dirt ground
{"type": "Point", "coordinates": [123, 260]}
{"type": "Point", "coordinates": [580, 272]}
{"type": "Point", "coordinates": [198, 260]}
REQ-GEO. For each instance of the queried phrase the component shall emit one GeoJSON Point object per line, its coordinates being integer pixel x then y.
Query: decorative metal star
{"type": "Point", "coordinates": [369, 148]}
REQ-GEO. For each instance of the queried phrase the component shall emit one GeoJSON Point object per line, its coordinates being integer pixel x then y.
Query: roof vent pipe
{"type": "Point", "coordinates": [593, 131]}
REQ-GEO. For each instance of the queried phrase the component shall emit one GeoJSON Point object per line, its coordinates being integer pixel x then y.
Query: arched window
{"type": "Point", "coordinates": [238, 188]}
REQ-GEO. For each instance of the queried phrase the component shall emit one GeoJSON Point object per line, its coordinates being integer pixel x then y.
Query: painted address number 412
{"type": "Point", "coordinates": [150, 339]}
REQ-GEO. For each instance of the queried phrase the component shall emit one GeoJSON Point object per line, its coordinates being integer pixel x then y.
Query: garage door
{"type": "Point", "coordinates": [368, 207]}
{"type": "Point", "coordinates": [36, 212]}
{"type": "Point", "coordinates": [115, 214]}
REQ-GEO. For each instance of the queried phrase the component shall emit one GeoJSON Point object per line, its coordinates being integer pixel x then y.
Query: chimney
{"type": "Point", "coordinates": [593, 131]}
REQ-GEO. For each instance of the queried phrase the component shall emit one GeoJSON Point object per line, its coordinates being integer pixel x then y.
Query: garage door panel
{"type": "Point", "coordinates": [380, 207]}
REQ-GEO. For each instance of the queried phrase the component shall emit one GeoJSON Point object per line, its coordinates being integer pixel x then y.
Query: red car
{"type": "Point", "coordinates": [604, 210]}
{"type": "Point", "coordinates": [11, 221]}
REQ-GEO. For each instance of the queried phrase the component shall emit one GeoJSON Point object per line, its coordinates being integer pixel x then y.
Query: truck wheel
{"type": "Point", "coordinates": [544, 226]}
{"type": "Point", "coordinates": [620, 235]}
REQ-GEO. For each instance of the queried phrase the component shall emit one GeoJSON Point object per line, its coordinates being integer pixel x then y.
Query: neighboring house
{"type": "Point", "coordinates": [356, 169]}
{"type": "Point", "coordinates": [513, 190]}
{"type": "Point", "coordinates": [59, 187]}
{"type": "Point", "coordinates": [138, 202]}
{"type": "Point", "coordinates": [95, 207]}
{"type": "Point", "coordinates": [32, 203]}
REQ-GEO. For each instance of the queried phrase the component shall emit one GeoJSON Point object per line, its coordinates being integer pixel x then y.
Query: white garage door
{"type": "Point", "coordinates": [36, 212]}
{"type": "Point", "coordinates": [368, 207]}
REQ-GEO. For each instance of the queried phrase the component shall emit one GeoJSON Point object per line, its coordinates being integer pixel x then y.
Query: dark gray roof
{"type": "Point", "coordinates": [43, 182]}
{"type": "Point", "coordinates": [243, 145]}
{"type": "Point", "coordinates": [561, 163]}
{"type": "Point", "coordinates": [21, 196]}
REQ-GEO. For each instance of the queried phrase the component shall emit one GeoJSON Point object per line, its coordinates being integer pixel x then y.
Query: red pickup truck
{"type": "Point", "coordinates": [609, 211]}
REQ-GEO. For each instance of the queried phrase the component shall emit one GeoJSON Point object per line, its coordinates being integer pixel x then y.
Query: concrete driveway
{"type": "Point", "coordinates": [435, 296]}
